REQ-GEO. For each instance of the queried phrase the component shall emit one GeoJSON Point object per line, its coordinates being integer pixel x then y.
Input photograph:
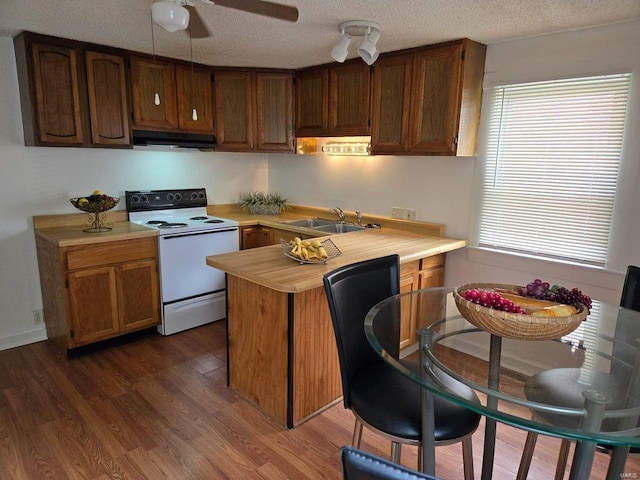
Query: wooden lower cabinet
{"type": "Point", "coordinates": [255, 236]}
{"type": "Point", "coordinates": [99, 291]}
{"type": "Point", "coordinates": [424, 273]}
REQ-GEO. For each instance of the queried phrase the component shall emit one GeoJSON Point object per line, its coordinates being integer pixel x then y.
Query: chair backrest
{"type": "Point", "coordinates": [359, 465]}
{"type": "Point", "coordinates": [352, 291]}
{"type": "Point", "coordinates": [631, 290]}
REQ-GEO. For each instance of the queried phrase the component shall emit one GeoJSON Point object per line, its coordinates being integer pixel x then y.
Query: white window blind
{"type": "Point", "coordinates": [552, 167]}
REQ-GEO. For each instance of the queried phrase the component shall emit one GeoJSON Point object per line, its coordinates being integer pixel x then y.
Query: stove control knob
{"type": "Point", "coordinates": [194, 195]}
{"type": "Point", "coordinates": [135, 198]}
{"type": "Point", "coordinates": [144, 199]}
{"type": "Point", "coordinates": [178, 197]}
{"type": "Point", "coordinates": [170, 197]}
{"type": "Point", "coordinates": [201, 195]}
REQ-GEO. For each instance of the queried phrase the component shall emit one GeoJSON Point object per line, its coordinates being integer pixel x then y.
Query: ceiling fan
{"type": "Point", "coordinates": [174, 15]}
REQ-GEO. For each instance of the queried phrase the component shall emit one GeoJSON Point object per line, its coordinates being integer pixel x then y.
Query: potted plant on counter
{"type": "Point", "coordinates": [263, 203]}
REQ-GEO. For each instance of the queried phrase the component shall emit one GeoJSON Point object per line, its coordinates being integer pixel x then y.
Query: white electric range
{"type": "Point", "coordinates": [192, 293]}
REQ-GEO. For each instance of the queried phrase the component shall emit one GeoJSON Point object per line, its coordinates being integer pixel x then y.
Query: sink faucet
{"type": "Point", "coordinates": [339, 212]}
{"type": "Point", "coordinates": [359, 217]}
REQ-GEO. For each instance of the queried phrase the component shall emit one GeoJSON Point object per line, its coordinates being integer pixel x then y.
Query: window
{"type": "Point", "coordinates": [553, 156]}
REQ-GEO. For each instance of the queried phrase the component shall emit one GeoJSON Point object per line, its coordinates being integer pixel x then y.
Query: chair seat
{"type": "Point", "coordinates": [388, 401]}
{"type": "Point", "coordinates": [563, 387]}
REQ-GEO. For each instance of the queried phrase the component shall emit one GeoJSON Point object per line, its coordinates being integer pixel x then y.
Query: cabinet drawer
{"type": "Point", "coordinates": [109, 253]}
{"type": "Point", "coordinates": [431, 262]}
{"type": "Point", "coordinates": [410, 268]}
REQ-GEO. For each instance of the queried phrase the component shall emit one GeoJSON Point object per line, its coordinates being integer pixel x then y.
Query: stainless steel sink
{"type": "Point", "coordinates": [311, 222]}
{"type": "Point", "coordinates": [339, 228]}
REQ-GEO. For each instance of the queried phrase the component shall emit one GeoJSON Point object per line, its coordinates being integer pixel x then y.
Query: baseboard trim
{"type": "Point", "coordinates": [25, 338]}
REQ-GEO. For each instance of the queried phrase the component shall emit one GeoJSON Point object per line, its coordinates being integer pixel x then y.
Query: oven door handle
{"type": "Point", "coordinates": [210, 232]}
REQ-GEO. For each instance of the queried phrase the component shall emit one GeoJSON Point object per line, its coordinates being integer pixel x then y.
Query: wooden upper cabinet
{"type": "Point", "coordinates": [234, 110]}
{"type": "Point", "coordinates": [445, 95]}
{"type": "Point", "coordinates": [153, 91]}
{"type": "Point", "coordinates": [274, 111]}
{"type": "Point", "coordinates": [436, 85]}
{"type": "Point", "coordinates": [349, 101]}
{"type": "Point", "coordinates": [333, 101]}
{"type": "Point", "coordinates": [312, 102]}
{"type": "Point", "coordinates": [57, 96]}
{"type": "Point", "coordinates": [194, 92]}
{"type": "Point", "coordinates": [391, 104]}
{"type": "Point", "coordinates": [108, 106]}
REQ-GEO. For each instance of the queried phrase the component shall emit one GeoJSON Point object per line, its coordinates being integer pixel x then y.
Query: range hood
{"type": "Point", "coordinates": [183, 140]}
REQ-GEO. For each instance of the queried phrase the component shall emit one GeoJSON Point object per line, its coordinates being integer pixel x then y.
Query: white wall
{"type": "Point", "coordinates": [38, 181]}
{"type": "Point", "coordinates": [446, 190]}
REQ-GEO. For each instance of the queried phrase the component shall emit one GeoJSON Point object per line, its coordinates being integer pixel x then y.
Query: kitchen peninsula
{"type": "Point", "coordinates": [282, 352]}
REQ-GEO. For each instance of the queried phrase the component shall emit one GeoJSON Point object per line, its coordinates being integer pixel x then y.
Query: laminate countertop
{"type": "Point", "coordinates": [72, 235]}
{"type": "Point", "coordinates": [269, 267]}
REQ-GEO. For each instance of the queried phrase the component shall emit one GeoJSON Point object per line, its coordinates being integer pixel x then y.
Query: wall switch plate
{"type": "Point", "coordinates": [397, 212]}
{"type": "Point", "coordinates": [38, 317]}
{"type": "Point", "coordinates": [410, 214]}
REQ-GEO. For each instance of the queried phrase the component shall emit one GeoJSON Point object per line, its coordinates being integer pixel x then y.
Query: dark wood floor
{"type": "Point", "coordinates": [159, 408]}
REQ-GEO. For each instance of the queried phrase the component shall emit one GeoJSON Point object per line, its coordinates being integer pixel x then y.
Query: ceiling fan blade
{"type": "Point", "coordinates": [262, 7]}
{"type": "Point", "coordinates": [199, 28]}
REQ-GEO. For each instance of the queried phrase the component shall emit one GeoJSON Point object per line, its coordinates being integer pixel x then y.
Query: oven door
{"type": "Point", "coordinates": [184, 272]}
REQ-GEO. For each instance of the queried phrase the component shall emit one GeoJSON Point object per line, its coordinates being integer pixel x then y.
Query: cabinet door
{"type": "Point", "coordinates": [93, 305]}
{"type": "Point", "coordinates": [408, 282]}
{"type": "Point", "coordinates": [234, 123]}
{"type": "Point", "coordinates": [138, 299]}
{"type": "Point", "coordinates": [435, 109]}
{"type": "Point", "coordinates": [194, 93]}
{"type": "Point", "coordinates": [58, 110]}
{"type": "Point", "coordinates": [312, 102]}
{"type": "Point", "coordinates": [153, 91]}
{"type": "Point", "coordinates": [274, 112]}
{"type": "Point", "coordinates": [349, 101]}
{"type": "Point", "coordinates": [253, 237]}
{"type": "Point", "coordinates": [108, 110]}
{"type": "Point", "coordinates": [391, 104]}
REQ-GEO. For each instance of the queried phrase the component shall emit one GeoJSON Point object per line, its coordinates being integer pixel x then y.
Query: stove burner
{"type": "Point", "coordinates": [156, 222]}
{"type": "Point", "coordinates": [198, 218]}
{"type": "Point", "coordinates": [171, 225]}
{"type": "Point", "coordinates": [214, 220]}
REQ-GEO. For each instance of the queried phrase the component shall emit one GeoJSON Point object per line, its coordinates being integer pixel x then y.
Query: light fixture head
{"type": "Point", "coordinates": [358, 28]}
{"type": "Point", "coordinates": [170, 15]}
{"type": "Point", "coordinates": [340, 51]}
{"type": "Point", "coordinates": [367, 48]}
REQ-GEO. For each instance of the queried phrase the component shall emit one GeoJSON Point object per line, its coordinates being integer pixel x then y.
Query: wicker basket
{"type": "Point", "coordinates": [514, 325]}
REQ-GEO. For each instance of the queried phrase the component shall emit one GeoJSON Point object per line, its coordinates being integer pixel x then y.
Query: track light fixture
{"type": "Point", "coordinates": [366, 49]}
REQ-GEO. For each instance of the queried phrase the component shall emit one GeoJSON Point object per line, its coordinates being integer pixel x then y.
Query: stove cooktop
{"type": "Point", "coordinates": [174, 211]}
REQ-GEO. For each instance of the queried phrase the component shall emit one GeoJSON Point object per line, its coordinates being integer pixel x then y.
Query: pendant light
{"type": "Point", "coordinates": [156, 96]}
{"type": "Point", "coordinates": [194, 112]}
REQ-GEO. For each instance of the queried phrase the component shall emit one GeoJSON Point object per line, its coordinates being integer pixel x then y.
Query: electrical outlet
{"type": "Point", "coordinates": [397, 212]}
{"type": "Point", "coordinates": [38, 317]}
{"type": "Point", "coordinates": [410, 214]}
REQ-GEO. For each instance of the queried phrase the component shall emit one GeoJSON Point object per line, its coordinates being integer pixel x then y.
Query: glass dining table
{"type": "Point", "coordinates": [599, 404]}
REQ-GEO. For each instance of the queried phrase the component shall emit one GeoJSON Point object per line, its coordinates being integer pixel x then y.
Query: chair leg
{"type": "Point", "coordinates": [420, 458]}
{"type": "Point", "coordinates": [467, 458]}
{"type": "Point", "coordinates": [396, 448]}
{"type": "Point", "coordinates": [357, 434]}
{"type": "Point", "coordinates": [527, 455]}
{"type": "Point", "coordinates": [563, 456]}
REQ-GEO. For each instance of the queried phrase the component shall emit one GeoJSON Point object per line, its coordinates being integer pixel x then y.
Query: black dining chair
{"type": "Point", "coordinates": [556, 380]}
{"type": "Point", "coordinates": [359, 465]}
{"type": "Point", "coordinates": [379, 396]}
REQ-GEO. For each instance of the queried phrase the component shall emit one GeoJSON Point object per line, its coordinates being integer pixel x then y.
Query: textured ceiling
{"type": "Point", "coordinates": [244, 39]}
